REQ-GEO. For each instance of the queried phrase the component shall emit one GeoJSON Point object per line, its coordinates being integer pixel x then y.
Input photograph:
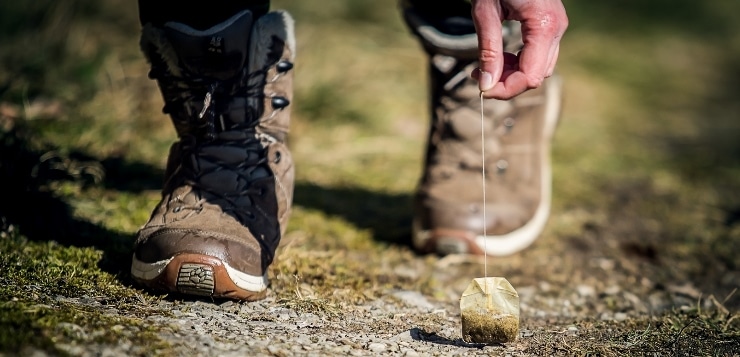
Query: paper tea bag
{"type": "Point", "coordinates": [490, 311]}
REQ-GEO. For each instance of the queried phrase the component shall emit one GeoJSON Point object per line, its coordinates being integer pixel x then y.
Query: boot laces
{"type": "Point", "coordinates": [462, 155]}
{"type": "Point", "coordinates": [202, 133]}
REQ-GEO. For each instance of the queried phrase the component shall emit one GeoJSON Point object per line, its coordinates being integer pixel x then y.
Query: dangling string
{"type": "Point", "coordinates": [483, 174]}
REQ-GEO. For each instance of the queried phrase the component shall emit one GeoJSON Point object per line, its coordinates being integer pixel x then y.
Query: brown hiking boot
{"type": "Point", "coordinates": [448, 206]}
{"type": "Point", "coordinates": [229, 179]}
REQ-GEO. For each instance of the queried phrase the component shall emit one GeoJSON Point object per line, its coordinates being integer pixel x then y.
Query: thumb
{"type": "Point", "coordinates": [487, 18]}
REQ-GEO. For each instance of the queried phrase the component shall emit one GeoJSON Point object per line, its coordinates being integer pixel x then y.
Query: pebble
{"type": "Point", "coordinates": [414, 299]}
{"type": "Point", "coordinates": [377, 347]}
{"type": "Point", "coordinates": [403, 336]}
{"type": "Point", "coordinates": [586, 290]}
{"type": "Point", "coordinates": [612, 290]}
{"type": "Point", "coordinates": [620, 316]}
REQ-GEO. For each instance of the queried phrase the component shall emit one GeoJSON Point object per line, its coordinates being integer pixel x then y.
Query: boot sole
{"type": "Point", "coordinates": [201, 275]}
{"type": "Point", "coordinates": [455, 241]}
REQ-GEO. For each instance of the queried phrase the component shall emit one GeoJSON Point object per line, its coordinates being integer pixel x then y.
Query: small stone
{"type": "Point", "coordinates": [277, 351]}
{"type": "Point", "coordinates": [606, 264]}
{"type": "Point", "coordinates": [403, 336]}
{"type": "Point", "coordinates": [658, 301]}
{"type": "Point", "coordinates": [620, 316]}
{"type": "Point", "coordinates": [545, 286]}
{"type": "Point", "coordinates": [72, 330]}
{"type": "Point", "coordinates": [377, 347]}
{"type": "Point", "coordinates": [337, 350]}
{"type": "Point", "coordinates": [414, 299]}
{"type": "Point", "coordinates": [686, 290]}
{"type": "Point", "coordinates": [585, 290]}
{"type": "Point", "coordinates": [227, 304]}
{"type": "Point", "coordinates": [526, 292]}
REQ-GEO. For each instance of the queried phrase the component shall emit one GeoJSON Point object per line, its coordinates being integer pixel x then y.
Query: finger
{"type": "Point", "coordinates": [543, 26]}
{"type": "Point", "coordinates": [508, 86]}
{"type": "Point", "coordinates": [512, 84]}
{"type": "Point", "coordinates": [553, 60]}
{"type": "Point", "coordinates": [511, 62]}
{"type": "Point", "coordinates": [487, 18]}
{"type": "Point", "coordinates": [535, 55]}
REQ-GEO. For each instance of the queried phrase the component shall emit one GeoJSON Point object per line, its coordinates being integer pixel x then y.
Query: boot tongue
{"type": "Point", "coordinates": [219, 52]}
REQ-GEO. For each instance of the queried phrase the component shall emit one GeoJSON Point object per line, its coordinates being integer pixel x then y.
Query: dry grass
{"type": "Point", "coordinates": [646, 166]}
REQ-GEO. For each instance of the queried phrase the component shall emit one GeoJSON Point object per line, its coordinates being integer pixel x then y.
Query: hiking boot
{"type": "Point", "coordinates": [229, 179]}
{"type": "Point", "coordinates": [448, 205]}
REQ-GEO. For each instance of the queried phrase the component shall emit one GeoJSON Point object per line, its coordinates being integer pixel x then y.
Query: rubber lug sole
{"type": "Point", "coordinates": [201, 275]}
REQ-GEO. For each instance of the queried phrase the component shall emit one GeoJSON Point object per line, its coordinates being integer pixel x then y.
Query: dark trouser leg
{"type": "Point", "coordinates": [448, 16]}
{"type": "Point", "coordinates": [441, 8]}
{"type": "Point", "coordinates": [197, 14]}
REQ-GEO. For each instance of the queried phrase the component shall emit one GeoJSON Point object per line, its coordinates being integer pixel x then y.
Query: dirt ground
{"type": "Point", "coordinates": [640, 255]}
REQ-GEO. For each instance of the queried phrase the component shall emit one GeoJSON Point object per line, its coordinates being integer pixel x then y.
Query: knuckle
{"type": "Point", "coordinates": [562, 25]}
{"type": "Point", "coordinates": [553, 22]}
{"type": "Point", "coordinates": [534, 82]}
{"type": "Point", "coordinates": [550, 23]}
{"type": "Point", "coordinates": [488, 55]}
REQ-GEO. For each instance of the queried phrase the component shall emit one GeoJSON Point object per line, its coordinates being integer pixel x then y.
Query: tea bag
{"type": "Point", "coordinates": [490, 311]}
{"type": "Point", "coordinates": [489, 306]}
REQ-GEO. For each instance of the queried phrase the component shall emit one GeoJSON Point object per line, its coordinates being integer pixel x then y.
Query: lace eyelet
{"type": "Point", "coordinates": [278, 156]}
{"type": "Point", "coordinates": [284, 66]}
{"type": "Point", "coordinates": [502, 166]}
{"type": "Point", "coordinates": [279, 102]}
{"type": "Point", "coordinates": [509, 124]}
{"type": "Point", "coordinates": [177, 209]}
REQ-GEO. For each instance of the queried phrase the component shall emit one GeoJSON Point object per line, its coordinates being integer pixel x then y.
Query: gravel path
{"type": "Point", "coordinates": [401, 323]}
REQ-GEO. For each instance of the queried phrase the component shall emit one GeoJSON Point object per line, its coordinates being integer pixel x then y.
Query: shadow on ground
{"type": "Point", "coordinates": [418, 334]}
{"type": "Point", "coordinates": [31, 206]}
{"type": "Point", "coordinates": [387, 216]}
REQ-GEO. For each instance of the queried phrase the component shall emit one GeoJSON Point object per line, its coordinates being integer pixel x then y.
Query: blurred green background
{"type": "Point", "coordinates": [649, 129]}
{"type": "Point", "coordinates": [650, 102]}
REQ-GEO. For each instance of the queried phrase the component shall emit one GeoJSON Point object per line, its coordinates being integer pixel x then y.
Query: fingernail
{"type": "Point", "coordinates": [485, 81]}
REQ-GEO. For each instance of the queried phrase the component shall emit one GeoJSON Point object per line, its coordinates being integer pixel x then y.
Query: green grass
{"type": "Point", "coordinates": [679, 333]}
{"type": "Point", "coordinates": [53, 294]}
{"type": "Point", "coordinates": [646, 156]}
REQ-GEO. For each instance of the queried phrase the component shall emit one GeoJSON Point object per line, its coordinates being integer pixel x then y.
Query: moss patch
{"type": "Point", "coordinates": [55, 296]}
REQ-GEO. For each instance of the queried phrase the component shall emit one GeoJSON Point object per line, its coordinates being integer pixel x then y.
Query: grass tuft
{"type": "Point", "coordinates": [645, 161]}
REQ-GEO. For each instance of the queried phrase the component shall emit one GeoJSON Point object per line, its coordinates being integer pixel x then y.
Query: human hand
{"type": "Point", "coordinates": [505, 75]}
